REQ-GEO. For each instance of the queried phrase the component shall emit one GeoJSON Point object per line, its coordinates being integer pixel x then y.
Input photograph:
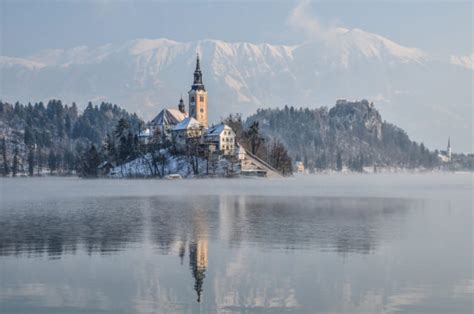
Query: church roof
{"type": "Point", "coordinates": [168, 117]}
{"type": "Point", "coordinates": [188, 123]}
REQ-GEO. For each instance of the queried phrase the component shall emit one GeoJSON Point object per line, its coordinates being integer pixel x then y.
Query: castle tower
{"type": "Point", "coordinates": [198, 97]}
{"type": "Point", "coordinates": [448, 151]}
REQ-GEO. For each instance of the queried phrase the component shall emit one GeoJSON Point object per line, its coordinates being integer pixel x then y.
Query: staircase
{"type": "Point", "coordinates": [253, 165]}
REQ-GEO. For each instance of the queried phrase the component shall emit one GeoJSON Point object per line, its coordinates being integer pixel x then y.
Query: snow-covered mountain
{"type": "Point", "coordinates": [431, 99]}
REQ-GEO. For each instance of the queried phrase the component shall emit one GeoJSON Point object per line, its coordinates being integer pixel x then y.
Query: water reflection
{"type": "Point", "coordinates": [174, 224]}
{"type": "Point", "coordinates": [52, 228]}
{"type": "Point", "coordinates": [225, 254]}
{"type": "Point", "coordinates": [346, 225]}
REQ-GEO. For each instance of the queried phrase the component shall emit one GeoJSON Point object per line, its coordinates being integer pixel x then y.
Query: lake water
{"type": "Point", "coordinates": [400, 243]}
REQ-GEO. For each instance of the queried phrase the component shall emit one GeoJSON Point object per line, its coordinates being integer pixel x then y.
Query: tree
{"type": "Point", "coordinates": [192, 154]}
{"type": "Point", "coordinates": [90, 162]}
{"type": "Point", "coordinates": [6, 168]}
{"type": "Point", "coordinates": [321, 162]}
{"type": "Point", "coordinates": [255, 139]}
{"type": "Point", "coordinates": [15, 165]}
{"type": "Point", "coordinates": [279, 158]}
{"type": "Point", "coordinates": [31, 162]}
{"type": "Point", "coordinates": [68, 125]}
{"type": "Point", "coordinates": [52, 161]}
{"type": "Point", "coordinates": [339, 161]}
{"type": "Point", "coordinates": [28, 136]}
{"type": "Point", "coordinates": [121, 128]}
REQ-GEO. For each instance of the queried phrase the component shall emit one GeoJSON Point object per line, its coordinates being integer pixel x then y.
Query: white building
{"type": "Point", "coordinates": [189, 128]}
{"type": "Point", "coordinates": [145, 136]}
{"type": "Point", "coordinates": [223, 137]}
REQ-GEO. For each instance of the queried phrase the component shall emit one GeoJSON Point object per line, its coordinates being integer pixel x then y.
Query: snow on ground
{"type": "Point", "coordinates": [174, 164]}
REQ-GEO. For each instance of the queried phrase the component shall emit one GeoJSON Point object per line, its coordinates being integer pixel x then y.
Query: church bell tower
{"type": "Point", "coordinates": [198, 97]}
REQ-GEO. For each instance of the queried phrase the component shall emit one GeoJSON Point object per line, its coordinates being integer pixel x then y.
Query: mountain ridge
{"type": "Point", "coordinates": [146, 75]}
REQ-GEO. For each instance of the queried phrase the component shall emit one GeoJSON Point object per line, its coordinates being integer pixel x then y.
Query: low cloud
{"type": "Point", "coordinates": [463, 61]}
{"type": "Point", "coordinates": [301, 19]}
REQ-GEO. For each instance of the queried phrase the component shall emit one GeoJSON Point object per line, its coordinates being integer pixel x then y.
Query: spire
{"type": "Point", "coordinates": [197, 84]}
{"type": "Point", "coordinates": [181, 106]}
{"type": "Point", "coordinates": [449, 142]}
{"type": "Point", "coordinates": [198, 67]}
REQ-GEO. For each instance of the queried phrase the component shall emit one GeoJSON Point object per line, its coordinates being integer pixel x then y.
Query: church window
{"type": "Point", "coordinates": [192, 98]}
{"type": "Point", "coordinates": [202, 110]}
{"type": "Point", "coordinates": [201, 98]}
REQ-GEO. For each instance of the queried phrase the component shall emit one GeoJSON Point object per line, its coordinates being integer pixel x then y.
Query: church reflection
{"type": "Point", "coordinates": [198, 259]}
{"type": "Point", "coordinates": [189, 227]}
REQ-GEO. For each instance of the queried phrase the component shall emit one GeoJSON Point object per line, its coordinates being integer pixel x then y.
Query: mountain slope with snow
{"type": "Point", "coordinates": [428, 98]}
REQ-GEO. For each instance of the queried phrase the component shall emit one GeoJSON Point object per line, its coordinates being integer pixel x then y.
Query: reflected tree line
{"type": "Point", "coordinates": [107, 226]}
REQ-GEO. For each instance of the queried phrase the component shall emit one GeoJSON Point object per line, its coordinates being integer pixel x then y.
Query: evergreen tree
{"type": "Point", "coordinates": [31, 162]}
{"type": "Point", "coordinates": [52, 161]}
{"type": "Point", "coordinates": [28, 136]}
{"type": "Point", "coordinates": [254, 137]}
{"type": "Point", "coordinates": [6, 168]}
{"type": "Point", "coordinates": [339, 161]}
{"type": "Point", "coordinates": [15, 165]}
{"type": "Point", "coordinates": [121, 128]}
{"type": "Point", "coordinates": [90, 162]}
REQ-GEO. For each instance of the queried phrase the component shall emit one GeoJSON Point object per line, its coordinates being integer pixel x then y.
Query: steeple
{"type": "Point", "coordinates": [181, 105]}
{"type": "Point", "coordinates": [197, 84]}
{"type": "Point", "coordinates": [198, 97]}
{"type": "Point", "coordinates": [448, 151]}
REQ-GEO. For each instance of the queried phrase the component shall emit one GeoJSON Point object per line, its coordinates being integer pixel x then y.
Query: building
{"type": "Point", "coordinates": [445, 156]}
{"type": "Point", "coordinates": [223, 137]}
{"type": "Point", "coordinates": [299, 165]}
{"type": "Point", "coordinates": [187, 129]}
{"type": "Point", "coordinates": [160, 127]}
{"type": "Point", "coordinates": [145, 136]}
{"type": "Point", "coordinates": [198, 97]}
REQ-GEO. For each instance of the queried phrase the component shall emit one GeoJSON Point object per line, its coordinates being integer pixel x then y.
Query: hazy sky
{"type": "Point", "coordinates": [441, 27]}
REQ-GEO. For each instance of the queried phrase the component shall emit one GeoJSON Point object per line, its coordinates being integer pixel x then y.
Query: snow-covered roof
{"type": "Point", "coordinates": [168, 117]}
{"type": "Point", "coordinates": [217, 130]}
{"type": "Point", "coordinates": [145, 133]}
{"type": "Point", "coordinates": [188, 123]}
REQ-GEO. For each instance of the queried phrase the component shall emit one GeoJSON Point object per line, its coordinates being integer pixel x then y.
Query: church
{"type": "Point", "coordinates": [180, 126]}
{"type": "Point", "coordinates": [189, 132]}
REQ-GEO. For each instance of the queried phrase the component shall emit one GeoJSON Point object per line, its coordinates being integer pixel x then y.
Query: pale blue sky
{"type": "Point", "coordinates": [438, 27]}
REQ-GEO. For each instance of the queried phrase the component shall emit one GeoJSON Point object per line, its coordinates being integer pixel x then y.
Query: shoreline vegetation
{"type": "Point", "coordinates": [104, 141]}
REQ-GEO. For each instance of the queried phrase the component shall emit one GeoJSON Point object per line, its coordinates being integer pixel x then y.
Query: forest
{"type": "Point", "coordinates": [350, 134]}
{"type": "Point", "coordinates": [58, 139]}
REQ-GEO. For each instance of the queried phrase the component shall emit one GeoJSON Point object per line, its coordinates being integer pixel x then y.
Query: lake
{"type": "Point", "coordinates": [382, 243]}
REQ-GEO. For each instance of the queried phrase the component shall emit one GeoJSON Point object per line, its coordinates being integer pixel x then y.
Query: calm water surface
{"type": "Point", "coordinates": [316, 244]}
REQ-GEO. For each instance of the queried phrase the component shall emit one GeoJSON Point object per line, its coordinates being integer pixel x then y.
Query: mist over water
{"type": "Point", "coordinates": [327, 243]}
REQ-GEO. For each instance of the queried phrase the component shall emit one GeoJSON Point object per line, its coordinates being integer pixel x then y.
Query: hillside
{"type": "Point", "coordinates": [55, 135]}
{"type": "Point", "coordinates": [430, 98]}
{"type": "Point", "coordinates": [354, 132]}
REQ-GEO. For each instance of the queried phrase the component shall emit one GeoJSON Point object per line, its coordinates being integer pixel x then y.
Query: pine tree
{"type": "Point", "coordinates": [6, 168]}
{"type": "Point", "coordinates": [15, 164]}
{"type": "Point", "coordinates": [31, 162]}
{"type": "Point", "coordinates": [52, 161]}
{"type": "Point", "coordinates": [339, 161]}
{"type": "Point", "coordinates": [90, 162]}
{"type": "Point", "coordinates": [121, 128]}
{"type": "Point", "coordinates": [255, 139]}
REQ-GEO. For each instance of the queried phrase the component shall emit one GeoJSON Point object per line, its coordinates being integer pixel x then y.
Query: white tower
{"type": "Point", "coordinates": [448, 151]}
